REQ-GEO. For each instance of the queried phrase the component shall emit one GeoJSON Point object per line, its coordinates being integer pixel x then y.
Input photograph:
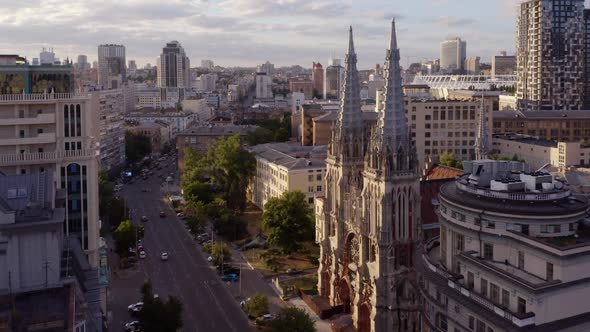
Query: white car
{"type": "Point", "coordinates": [132, 326]}
{"type": "Point", "coordinates": [135, 307]}
{"type": "Point", "coordinates": [142, 254]}
{"type": "Point", "coordinates": [267, 317]}
{"type": "Point", "coordinates": [164, 256]}
{"type": "Point", "coordinates": [210, 259]}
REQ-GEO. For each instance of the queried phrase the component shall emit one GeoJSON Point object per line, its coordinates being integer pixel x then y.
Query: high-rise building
{"type": "Point", "coordinates": [503, 64]}
{"type": "Point", "coordinates": [111, 107]}
{"type": "Point", "coordinates": [267, 68]}
{"type": "Point", "coordinates": [333, 78]}
{"type": "Point", "coordinates": [173, 67]}
{"type": "Point", "coordinates": [301, 84]}
{"type": "Point", "coordinates": [82, 62]}
{"type": "Point", "coordinates": [132, 66]}
{"type": "Point", "coordinates": [367, 223]}
{"type": "Point", "coordinates": [112, 72]}
{"type": "Point", "coordinates": [551, 55]}
{"type": "Point", "coordinates": [471, 66]}
{"type": "Point", "coordinates": [47, 57]}
{"type": "Point", "coordinates": [17, 77]}
{"type": "Point", "coordinates": [263, 86]}
{"type": "Point", "coordinates": [207, 64]}
{"type": "Point", "coordinates": [317, 77]}
{"type": "Point", "coordinates": [453, 53]}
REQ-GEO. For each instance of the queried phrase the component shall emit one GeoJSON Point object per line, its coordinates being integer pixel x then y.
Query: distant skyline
{"type": "Point", "coordinates": [249, 32]}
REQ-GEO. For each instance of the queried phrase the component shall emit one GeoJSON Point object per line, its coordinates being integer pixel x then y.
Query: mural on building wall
{"type": "Point", "coordinates": [11, 83]}
{"type": "Point", "coordinates": [47, 82]}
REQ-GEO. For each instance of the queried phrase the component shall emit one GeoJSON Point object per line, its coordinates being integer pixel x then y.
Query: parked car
{"type": "Point", "coordinates": [180, 215]}
{"type": "Point", "coordinates": [267, 317]}
{"type": "Point", "coordinates": [135, 307]}
{"type": "Point", "coordinates": [293, 271]}
{"type": "Point", "coordinates": [164, 256]}
{"type": "Point", "coordinates": [232, 277]}
{"type": "Point", "coordinates": [144, 218]}
{"type": "Point", "coordinates": [162, 214]}
{"type": "Point", "coordinates": [142, 254]}
{"type": "Point", "coordinates": [132, 326]}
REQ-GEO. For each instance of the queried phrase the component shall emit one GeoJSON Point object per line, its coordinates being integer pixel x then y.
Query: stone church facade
{"type": "Point", "coordinates": [368, 222]}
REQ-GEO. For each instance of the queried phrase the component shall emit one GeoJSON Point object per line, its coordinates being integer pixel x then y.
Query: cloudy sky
{"type": "Point", "coordinates": [247, 32]}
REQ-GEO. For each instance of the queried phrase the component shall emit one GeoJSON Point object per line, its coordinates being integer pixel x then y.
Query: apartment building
{"type": "Point", "coordinates": [512, 255]}
{"type": "Point", "coordinates": [179, 121]}
{"type": "Point", "coordinates": [282, 167]}
{"type": "Point", "coordinates": [562, 126]}
{"type": "Point", "coordinates": [111, 108]}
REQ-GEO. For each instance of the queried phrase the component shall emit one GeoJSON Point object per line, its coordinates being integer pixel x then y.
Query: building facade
{"type": "Point", "coordinates": [18, 77]}
{"type": "Point", "coordinates": [453, 53]}
{"type": "Point", "coordinates": [495, 271]}
{"type": "Point", "coordinates": [503, 64]}
{"type": "Point", "coordinates": [551, 55]}
{"type": "Point", "coordinates": [333, 78]}
{"type": "Point", "coordinates": [263, 86]}
{"type": "Point", "coordinates": [367, 224]}
{"type": "Point", "coordinates": [563, 126]}
{"type": "Point", "coordinates": [111, 108]}
{"type": "Point", "coordinates": [317, 76]}
{"type": "Point", "coordinates": [282, 167]}
{"type": "Point", "coordinates": [112, 72]}
{"type": "Point", "coordinates": [173, 67]}
{"type": "Point", "coordinates": [298, 84]}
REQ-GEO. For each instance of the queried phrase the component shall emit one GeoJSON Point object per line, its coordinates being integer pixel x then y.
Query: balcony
{"type": "Point", "coordinates": [452, 281]}
{"type": "Point", "coordinates": [47, 118]}
{"type": "Point", "coordinates": [43, 138]}
{"type": "Point", "coordinates": [41, 97]}
{"type": "Point", "coordinates": [45, 157]}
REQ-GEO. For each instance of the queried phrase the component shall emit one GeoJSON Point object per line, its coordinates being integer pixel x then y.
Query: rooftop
{"type": "Point", "coordinates": [292, 156]}
{"type": "Point", "coordinates": [217, 130]}
{"type": "Point", "coordinates": [527, 140]}
{"type": "Point", "coordinates": [541, 115]}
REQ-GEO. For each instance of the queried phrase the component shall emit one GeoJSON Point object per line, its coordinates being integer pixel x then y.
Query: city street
{"type": "Point", "coordinates": [209, 304]}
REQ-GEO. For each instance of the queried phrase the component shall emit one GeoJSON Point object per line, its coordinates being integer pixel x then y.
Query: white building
{"type": "Point", "coordinates": [148, 97]}
{"type": "Point", "coordinates": [173, 67]}
{"type": "Point", "coordinates": [267, 68]}
{"type": "Point", "coordinates": [47, 57]}
{"type": "Point", "coordinates": [178, 121]}
{"type": "Point", "coordinates": [111, 108]}
{"type": "Point", "coordinates": [282, 167]}
{"type": "Point", "coordinates": [333, 78]}
{"type": "Point", "coordinates": [207, 82]}
{"type": "Point", "coordinates": [207, 64]}
{"type": "Point", "coordinates": [112, 71]}
{"type": "Point", "coordinates": [453, 53]}
{"type": "Point", "coordinates": [233, 93]}
{"type": "Point", "coordinates": [472, 65]}
{"type": "Point", "coordinates": [263, 86]}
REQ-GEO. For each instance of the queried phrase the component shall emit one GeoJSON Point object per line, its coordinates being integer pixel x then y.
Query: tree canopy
{"type": "Point", "coordinates": [257, 305]}
{"type": "Point", "coordinates": [126, 235]}
{"type": "Point", "coordinates": [288, 220]}
{"type": "Point", "coordinates": [292, 319]}
{"type": "Point", "coordinates": [137, 146]}
{"type": "Point", "coordinates": [448, 159]}
{"type": "Point", "coordinates": [159, 316]}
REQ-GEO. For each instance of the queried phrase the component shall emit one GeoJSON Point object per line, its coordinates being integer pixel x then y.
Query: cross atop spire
{"type": "Point", "coordinates": [393, 40]}
{"type": "Point", "coordinates": [350, 54]}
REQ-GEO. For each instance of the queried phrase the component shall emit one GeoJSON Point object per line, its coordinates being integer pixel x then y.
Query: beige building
{"type": "Point", "coordinates": [200, 138]}
{"type": "Point", "coordinates": [159, 133]}
{"type": "Point", "coordinates": [513, 254]}
{"type": "Point", "coordinates": [539, 152]}
{"type": "Point", "coordinates": [111, 107]}
{"type": "Point", "coordinates": [563, 126]}
{"type": "Point", "coordinates": [282, 167]}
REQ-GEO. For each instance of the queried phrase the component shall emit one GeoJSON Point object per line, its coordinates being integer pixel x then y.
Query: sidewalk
{"type": "Point", "coordinates": [320, 325]}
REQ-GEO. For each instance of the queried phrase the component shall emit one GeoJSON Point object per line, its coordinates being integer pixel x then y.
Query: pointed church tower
{"type": "Point", "coordinates": [481, 141]}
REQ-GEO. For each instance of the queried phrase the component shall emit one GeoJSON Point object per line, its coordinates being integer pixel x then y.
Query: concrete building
{"type": "Point", "coordinates": [82, 62]}
{"type": "Point", "coordinates": [208, 82]}
{"type": "Point", "coordinates": [112, 72]}
{"type": "Point", "coordinates": [207, 64]}
{"type": "Point", "coordinates": [200, 138]}
{"type": "Point", "coordinates": [300, 84]}
{"type": "Point", "coordinates": [333, 78]}
{"type": "Point", "coordinates": [503, 64]}
{"type": "Point", "coordinates": [263, 86]}
{"type": "Point", "coordinates": [282, 167]}
{"type": "Point", "coordinates": [366, 268]}
{"type": "Point", "coordinates": [173, 67]}
{"type": "Point", "coordinates": [551, 77]}
{"type": "Point", "coordinates": [233, 93]}
{"type": "Point", "coordinates": [472, 65]}
{"type": "Point", "coordinates": [317, 77]}
{"type": "Point", "coordinates": [47, 57]}
{"type": "Point", "coordinates": [490, 270]}
{"type": "Point", "coordinates": [18, 77]}
{"type": "Point", "coordinates": [267, 68]}
{"type": "Point", "coordinates": [148, 97]}
{"type": "Point", "coordinates": [158, 132]}
{"type": "Point", "coordinates": [562, 126]}
{"type": "Point", "coordinates": [453, 53]}
{"type": "Point", "coordinates": [178, 121]}
{"type": "Point", "coordinates": [111, 108]}
{"type": "Point", "coordinates": [374, 84]}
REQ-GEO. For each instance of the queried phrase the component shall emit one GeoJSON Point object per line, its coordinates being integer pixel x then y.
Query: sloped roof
{"type": "Point", "coordinates": [440, 172]}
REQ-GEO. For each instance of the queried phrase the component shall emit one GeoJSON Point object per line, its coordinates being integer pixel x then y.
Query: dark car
{"type": "Point", "coordinates": [232, 277]}
{"type": "Point", "coordinates": [144, 218]}
{"type": "Point", "coordinates": [162, 214]}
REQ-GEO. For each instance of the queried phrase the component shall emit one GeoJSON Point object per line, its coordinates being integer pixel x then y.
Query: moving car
{"type": "Point", "coordinates": [142, 254]}
{"type": "Point", "coordinates": [162, 214]}
{"type": "Point", "coordinates": [266, 317]}
{"type": "Point", "coordinates": [135, 307]}
{"type": "Point", "coordinates": [144, 218]}
{"type": "Point", "coordinates": [164, 256]}
{"type": "Point", "coordinates": [232, 277]}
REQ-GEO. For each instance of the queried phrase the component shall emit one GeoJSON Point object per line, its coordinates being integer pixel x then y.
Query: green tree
{"type": "Point", "coordinates": [220, 253]}
{"type": "Point", "coordinates": [159, 316]}
{"type": "Point", "coordinates": [260, 135]}
{"type": "Point", "coordinates": [447, 159]}
{"type": "Point", "coordinates": [137, 146]}
{"type": "Point", "coordinates": [230, 167]}
{"type": "Point", "coordinates": [126, 235]}
{"type": "Point", "coordinates": [288, 220]}
{"type": "Point", "coordinates": [257, 305]}
{"type": "Point", "coordinates": [292, 319]}
{"type": "Point", "coordinates": [198, 191]}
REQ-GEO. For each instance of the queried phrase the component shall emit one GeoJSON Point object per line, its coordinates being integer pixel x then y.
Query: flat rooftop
{"type": "Point", "coordinates": [526, 140]}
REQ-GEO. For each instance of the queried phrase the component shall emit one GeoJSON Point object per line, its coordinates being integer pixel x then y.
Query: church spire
{"type": "Point", "coordinates": [481, 141]}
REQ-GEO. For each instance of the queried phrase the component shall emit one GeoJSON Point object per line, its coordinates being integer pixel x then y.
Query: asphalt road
{"type": "Point", "coordinates": [209, 304]}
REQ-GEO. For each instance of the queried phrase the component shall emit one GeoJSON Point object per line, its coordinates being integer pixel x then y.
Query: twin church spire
{"type": "Point", "coordinates": [389, 146]}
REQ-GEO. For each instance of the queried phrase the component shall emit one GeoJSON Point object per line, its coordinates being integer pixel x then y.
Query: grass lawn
{"type": "Point", "coordinates": [253, 218]}
{"type": "Point", "coordinates": [307, 283]}
{"type": "Point", "coordinates": [280, 263]}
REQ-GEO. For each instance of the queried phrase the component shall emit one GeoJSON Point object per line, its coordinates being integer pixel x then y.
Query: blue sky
{"type": "Point", "coordinates": [247, 32]}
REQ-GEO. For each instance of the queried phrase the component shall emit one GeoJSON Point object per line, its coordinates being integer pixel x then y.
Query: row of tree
{"type": "Point", "coordinates": [269, 131]}
{"type": "Point", "coordinates": [157, 315]}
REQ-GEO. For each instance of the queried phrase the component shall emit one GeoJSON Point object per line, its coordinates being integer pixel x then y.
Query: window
{"type": "Point", "coordinates": [549, 271]}
{"type": "Point", "coordinates": [310, 178]}
{"type": "Point", "coordinates": [21, 133]}
{"type": "Point", "coordinates": [319, 188]}
{"type": "Point", "coordinates": [491, 224]}
{"type": "Point", "coordinates": [39, 130]}
{"type": "Point", "coordinates": [544, 228]}
{"type": "Point", "coordinates": [494, 293]}
{"type": "Point", "coordinates": [556, 228]}
{"type": "Point", "coordinates": [521, 305]}
{"type": "Point", "coordinates": [460, 245]}
{"type": "Point", "coordinates": [471, 322]}
{"type": "Point", "coordinates": [40, 150]}
{"type": "Point", "coordinates": [521, 260]}
{"type": "Point", "coordinates": [481, 326]}
{"type": "Point", "coordinates": [488, 251]}
{"type": "Point", "coordinates": [21, 114]}
{"type": "Point", "coordinates": [310, 189]}
{"type": "Point", "coordinates": [441, 321]}
{"type": "Point", "coordinates": [310, 200]}
{"type": "Point", "coordinates": [505, 298]}
{"type": "Point", "coordinates": [470, 280]}
{"type": "Point", "coordinates": [483, 287]}
{"type": "Point", "coordinates": [490, 329]}
{"type": "Point", "coordinates": [318, 177]}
